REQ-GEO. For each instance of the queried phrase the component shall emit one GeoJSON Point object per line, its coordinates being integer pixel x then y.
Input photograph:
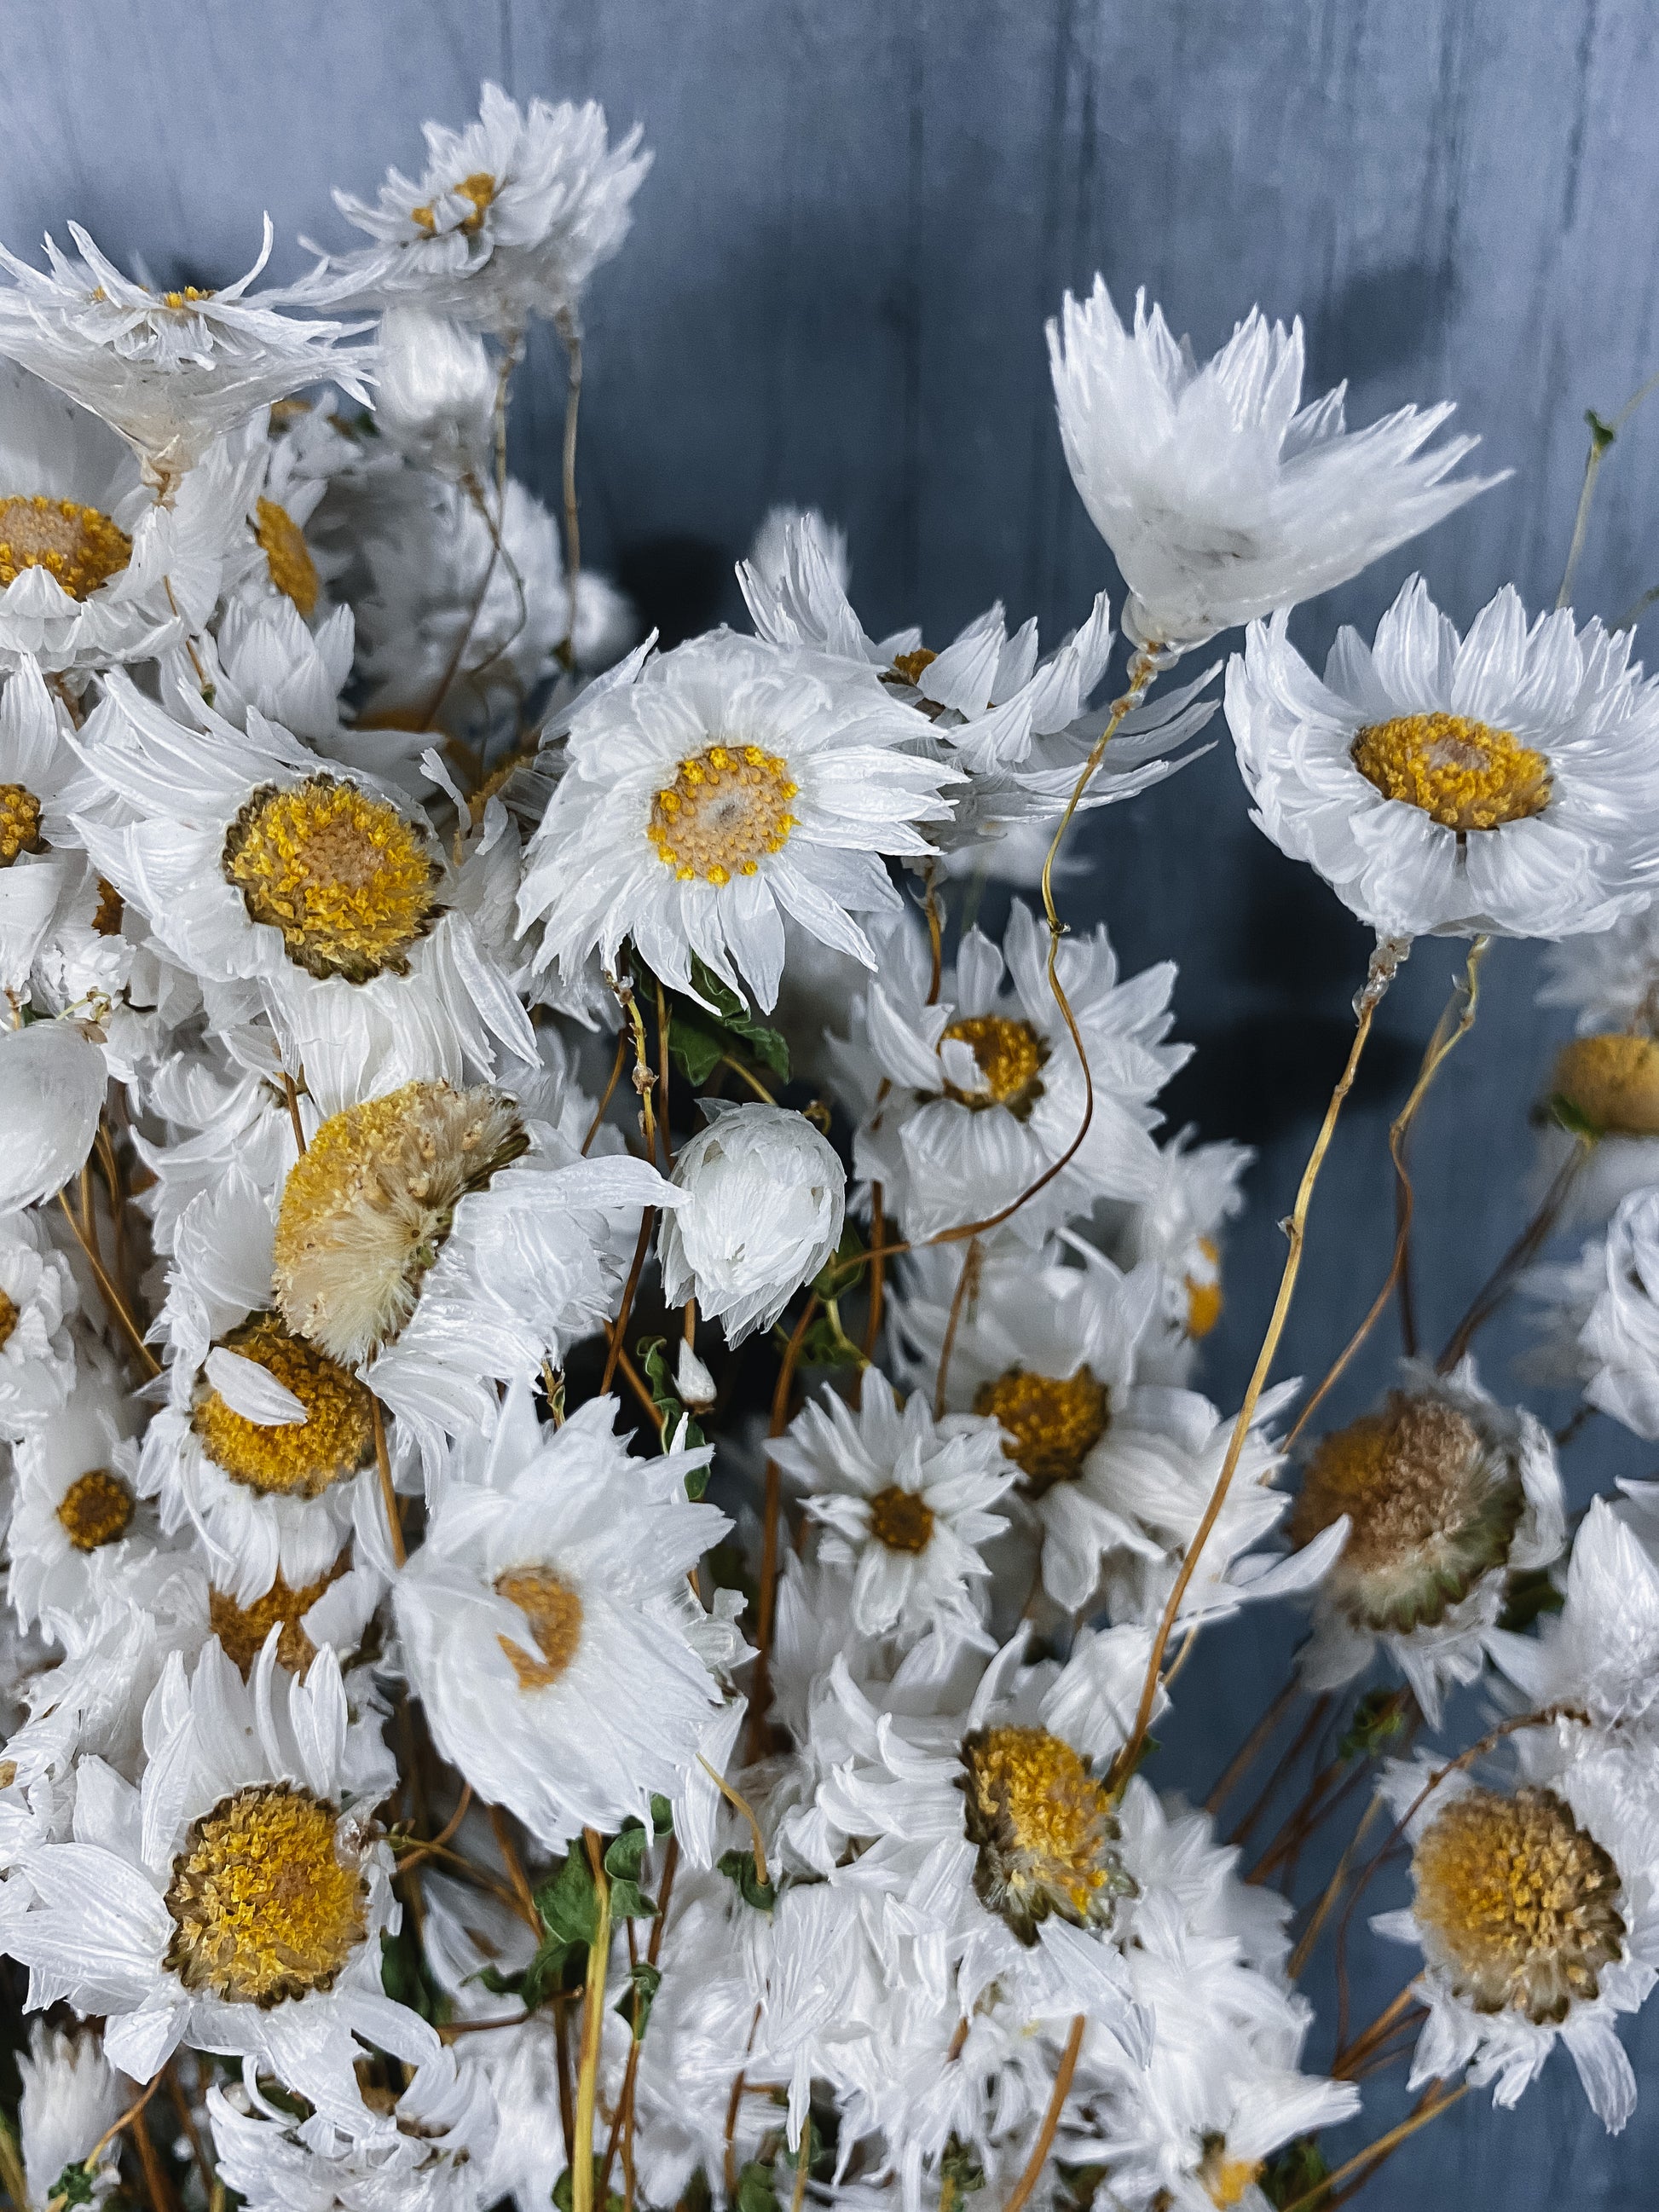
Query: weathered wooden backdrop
{"type": "Point", "coordinates": [861, 213]}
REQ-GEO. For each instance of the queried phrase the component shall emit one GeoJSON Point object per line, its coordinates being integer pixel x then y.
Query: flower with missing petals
{"type": "Point", "coordinates": [1220, 495]}
{"type": "Point", "coordinates": [1505, 783]}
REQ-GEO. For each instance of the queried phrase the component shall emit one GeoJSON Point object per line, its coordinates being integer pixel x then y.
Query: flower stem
{"type": "Point", "coordinates": [383, 1463]}
{"type": "Point", "coordinates": [1044, 2143]}
{"type": "Point", "coordinates": [587, 2077]}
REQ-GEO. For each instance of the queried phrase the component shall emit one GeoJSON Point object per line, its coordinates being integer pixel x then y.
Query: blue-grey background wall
{"type": "Point", "coordinates": [861, 213]}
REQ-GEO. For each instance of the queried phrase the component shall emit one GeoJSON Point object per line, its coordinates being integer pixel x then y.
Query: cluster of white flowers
{"type": "Point", "coordinates": [472, 1084]}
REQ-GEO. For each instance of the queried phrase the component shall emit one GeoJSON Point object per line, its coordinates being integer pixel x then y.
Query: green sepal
{"type": "Point", "coordinates": [1378, 1718]}
{"type": "Point", "coordinates": [653, 1358]}
{"type": "Point", "coordinates": [1529, 1594]}
{"type": "Point", "coordinates": [739, 1867]}
{"type": "Point", "coordinates": [1291, 2173]}
{"type": "Point", "coordinates": [563, 2194]}
{"type": "Point", "coordinates": [635, 2004]}
{"type": "Point", "coordinates": [840, 1273]}
{"type": "Point", "coordinates": [1574, 1120]}
{"type": "Point", "coordinates": [756, 2190]}
{"type": "Point", "coordinates": [73, 2186]}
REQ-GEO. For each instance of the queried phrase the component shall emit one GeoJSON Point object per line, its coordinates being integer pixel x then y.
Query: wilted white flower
{"type": "Point", "coordinates": [38, 1299]}
{"type": "Point", "coordinates": [764, 1198]}
{"type": "Point", "coordinates": [270, 658]}
{"type": "Point", "coordinates": [1506, 782]}
{"type": "Point", "coordinates": [435, 391]}
{"type": "Point", "coordinates": [71, 2098]}
{"type": "Point", "coordinates": [171, 371]}
{"type": "Point", "coordinates": [1602, 1317]}
{"type": "Point", "coordinates": [547, 1624]}
{"type": "Point", "coordinates": [52, 1083]}
{"type": "Point", "coordinates": [710, 791]}
{"type": "Point", "coordinates": [1220, 495]}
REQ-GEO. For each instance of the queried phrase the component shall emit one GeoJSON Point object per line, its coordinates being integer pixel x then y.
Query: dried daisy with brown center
{"type": "Point", "coordinates": [1051, 1423]}
{"type": "Point", "coordinates": [1045, 1830]}
{"type": "Point", "coordinates": [298, 1459]}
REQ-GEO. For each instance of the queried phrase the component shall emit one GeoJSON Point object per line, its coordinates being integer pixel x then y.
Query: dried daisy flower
{"type": "Point", "coordinates": [1445, 1493]}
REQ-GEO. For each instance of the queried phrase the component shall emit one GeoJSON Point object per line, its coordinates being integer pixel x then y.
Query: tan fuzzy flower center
{"type": "Point", "coordinates": [1044, 1829]}
{"type": "Point", "coordinates": [1432, 1509]}
{"type": "Point", "coordinates": [901, 1520]}
{"type": "Point", "coordinates": [350, 882]}
{"type": "Point", "coordinates": [1009, 1054]}
{"type": "Point", "coordinates": [242, 1629]}
{"type": "Point", "coordinates": [9, 1319]}
{"type": "Point", "coordinates": [723, 812]}
{"type": "Point", "coordinates": [368, 1205]}
{"type": "Point", "coordinates": [78, 546]}
{"type": "Point", "coordinates": [20, 822]}
{"type": "Point", "coordinates": [1612, 1081]}
{"type": "Point", "coordinates": [282, 541]}
{"type": "Point", "coordinates": [1517, 1903]}
{"type": "Point", "coordinates": [262, 1906]}
{"type": "Point", "coordinates": [1050, 1423]}
{"type": "Point", "coordinates": [480, 188]}
{"type": "Point", "coordinates": [95, 1509]}
{"type": "Point", "coordinates": [554, 1611]}
{"type": "Point", "coordinates": [106, 915]}
{"type": "Point", "coordinates": [1464, 774]}
{"type": "Point", "coordinates": [299, 1458]}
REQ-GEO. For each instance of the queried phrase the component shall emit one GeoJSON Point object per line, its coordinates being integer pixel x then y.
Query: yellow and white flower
{"type": "Point", "coordinates": [38, 1302]}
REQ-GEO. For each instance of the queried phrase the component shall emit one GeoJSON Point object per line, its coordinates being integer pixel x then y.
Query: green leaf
{"type": "Point", "coordinates": [73, 2185]}
{"type": "Point", "coordinates": [629, 1902]}
{"type": "Point", "coordinates": [824, 1345]}
{"type": "Point", "coordinates": [1601, 434]}
{"type": "Point", "coordinates": [568, 1905]}
{"type": "Point", "coordinates": [1378, 1718]}
{"type": "Point", "coordinates": [498, 1984]}
{"type": "Point", "coordinates": [756, 2190]}
{"type": "Point", "coordinates": [1529, 1594]}
{"type": "Point", "coordinates": [662, 1815]}
{"type": "Point", "coordinates": [635, 2004]}
{"type": "Point", "coordinates": [1293, 2172]}
{"type": "Point", "coordinates": [841, 1271]}
{"type": "Point", "coordinates": [653, 1357]}
{"type": "Point", "coordinates": [960, 2166]}
{"type": "Point", "coordinates": [626, 1854]}
{"type": "Point", "coordinates": [701, 1036]}
{"type": "Point", "coordinates": [739, 1867]}
{"type": "Point", "coordinates": [768, 1045]}
{"type": "Point", "coordinates": [563, 2194]}
{"type": "Point", "coordinates": [1573, 1120]}
{"type": "Point", "coordinates": [404, 1977]}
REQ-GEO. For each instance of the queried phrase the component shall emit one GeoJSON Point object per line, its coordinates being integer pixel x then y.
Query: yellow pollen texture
{"type": "Point", "coordinates": [300, 1459]}
{"type": "Point", "coordinates": [1050, 1423]}
{"type": "Point", "coordinates": [78, 546]}
{"type": "Point", "coordinates": [106, 918]}
{"type": "Point", "coordinates": [901, 1520]}
{"type": "Point", "coordinates": [554, 1611]}
{"type": "Point", "coordinates": [349, 883]}
{"type": "Point", "coordinates": [263, 1908]}
{"type": "Point", "coordinates": [1044, 1829]}
{"type": "Point", "coordinates": [1612, 1081]}
{"type": "Point", "coordinates": [1009, 1054]}
{"type": "Point", "coordinates": [8, 1320]}
{"type": "Point", "coordinates": [1223, 2179]}
{"type": "Point", "coordinates": [912, 666]}
{"type": "Point", "coordinates": [282, 541]}
{"type": "Point", "coordinates": [95, 1509]}
{"type": "Point", "coordinates": [242, 1629]}
{"type": "Point", "coordinates": [1203, 1299]}
{"type": "Point", "coordinates": [723, 812]}
{"type": "Point", "coordinates": [188, 298]}
{"type": "Point", "coordinates": [20, 822]}
{"type": "Point", "coordinates": [479, 188]}
{"type": "Point", "coordinates": [1517, 1902]}
{"type": "Point", "coordinates": [1465, 775]}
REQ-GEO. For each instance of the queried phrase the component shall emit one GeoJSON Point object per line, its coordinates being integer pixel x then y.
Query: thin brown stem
{"type": "Point", "coordinates": [1374, 2153]}
{"type": "Point", "coordinates": [1516, 1262]}
{"type": "Point", "coordinates": [966, 1282]}
{"type": "Point", "coordinates": [1245, 1757]}
{"type": "Point", "coordinates": [515, 1873]}
{"type": "Point", "coordinates": [394, 1524]}
{"type": "Point", "coordinates": [1332, 1890]}
{"type": "Point", "coordinates": [293, 1094]}
{"type": "Point", "coordinates": [1045, 2141]}
{"type": "Point", "coordinates": [111, 1296]}
{"type": "Point", "coordinates": [619, 1329]}
{"type": "Point", "coordinates": [772, 1510]}
{"type": "Point", "coordinates": [610, 1091]}
{"type": "Point", "coordinates": [1305, 1735]}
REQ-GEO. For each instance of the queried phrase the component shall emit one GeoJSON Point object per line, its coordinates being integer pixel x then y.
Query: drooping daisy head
{"type": "Point", "coordinates": [1600, 1316]}
{"type": "Point", "coordinates": [547, 1625]}
{"type": "Point", "coordinates": [1445, 1493]}
{"type": "Point", "coordinates": [1503, 781]}
{"type": "Point", "coordinates": [905, 1503]}
{"type": "Point", "coordinates": [171, 371]}
{"type": "Point", "coordinates": [509, 219]}
{"type": "Point", "coordinates": [710, 791]}
{"type": "Point", "coordinates": [1220, 495]}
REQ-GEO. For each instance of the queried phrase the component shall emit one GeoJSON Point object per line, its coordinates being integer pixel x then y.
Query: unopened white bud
{"type": "Point", "coordinates": [693, 1381]}
{"type": "Point", "coordinates": [52, 1085]}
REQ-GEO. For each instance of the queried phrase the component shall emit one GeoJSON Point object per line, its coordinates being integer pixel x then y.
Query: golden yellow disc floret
{"type": "Point", "coordinates": [351, 884]}
{"type": "Point", "coordinates": [78, 546]}
{"type": "Point", "coordinates": [554, 1611]}
{"type": "Point", "coordinates": [298, 1459]}
{"type": "Point", "coordinates": [8, 1320]}
{"type": "Point", "coordinates": [724, 811]}
{"type": "Point", "coordinates": [20, 822]}
{"type": "Point", "coordinates": [900, 1519]}
{"type": "Point", "coordinates": [288, 556]}
{"type": "Point", "coordinates": [1044, 1829]}
{"type": "Point", "coordinates": [1204, 1298]}
{"type": "Point", "coordinates": [1517, 1902]}
{"type": "Point", "coordinates": [1009, 1054]}
{"type": "Point", "coordinates": [1223, 2179]}
{"type": "Point", "coordinates": [1612, 1082]}
{"type": "Point", "coordinates": [1050, 1423]}
{"type": "Point", "coordinates": [264, 1906]}
{"type": "Point", "coordinates": [242, 1629]}
{"type": "Point", "coordinates": [479, 188]}
{"type": "Point", "coordinates": [1465, 775]}
{"type": "Point", "coordinates": [96, 1510]}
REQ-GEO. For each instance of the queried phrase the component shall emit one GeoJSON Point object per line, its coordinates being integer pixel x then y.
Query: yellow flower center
{"type": "Point", "coordinates": [910, 667]}
{"type": "Point", "coordinates": [349, 883]}
{"type": "Point", "coordinates": [369, 1204]}
{"type": "Point", "coordinates": [263, 1908]}
{"type": "Point", "coordinates": [901, 1520]}
{"type": "Point", "coordinates": [723, 810]}
{"type": "Point", "coordinates": [8, 1320]}
{"type": "Point", "coordinates": [282, 541]}
{"type": "Point", "coordinates": [188, 298]}
{"type": "Point", "coordinates": [1050, 1423]}
{"type": "Point", "coordinates": [20, 822]}
{"type": "Point", "coordinates": [479, 188]}
{"type": "Point", "coordinates": [95, 1509]}
{"type": "Point", "coordinates": [1044, 1829]}
{"type": "Point", "coordinates": [1517, 1902]}
{"type": "Point", "coordinates": [1223, 2179]}
{"type": "Point", "coordinates": [299, 1458]}
{"type": "Point", "coordinates": [554, 1611]}
{"type": "Point", "coordinates": [78, 546]}
{"type": "Point", "coordinates": [1009, 1054]}
{"type": "Point", "coordinates": [1203, 1299]}
{"type": "Point", "coordinates": [1431, 1511]}
{"type": "Point", "coordinates": [107, 920]}
{"type": "Point", "coordinates": [242, 1629]}
{"type": "Point", "coordinates": [1612, 1081]}
{"type": "Point", "coordinates": [1464, 774]}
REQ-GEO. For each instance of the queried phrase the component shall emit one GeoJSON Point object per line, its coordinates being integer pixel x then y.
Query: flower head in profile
{"type": "Point", "coordinates": [547, 1624]}
{"type": "Point", "coordinates": [1221, 496]}
{"type": "Point", "coordinates": [171, 371]}
{"type": "Point", "coordinates": [71, 2098]}
{"type": "Point", "coordinates": [1506, 781]}
{"type": "Point", "coordinates": [509, 219]}
{"type": "Point", "coordinates": [709, 791]}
